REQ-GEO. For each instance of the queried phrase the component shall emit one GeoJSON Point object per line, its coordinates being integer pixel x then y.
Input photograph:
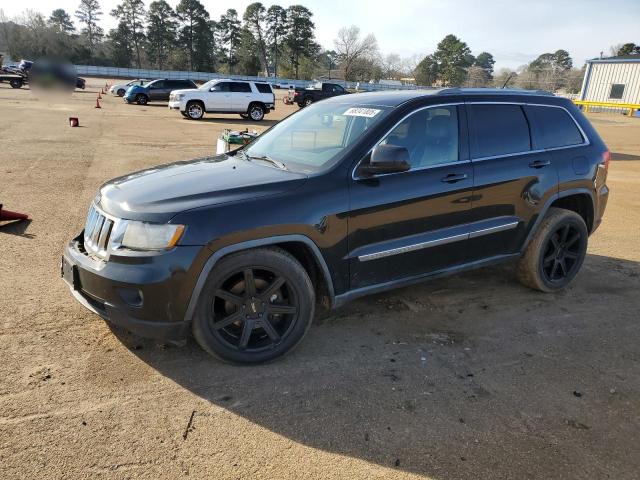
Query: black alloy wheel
{"type": "Point", "coordinates": [253, 310]}
{"type": "Point", "coordinates": [562, 253]}
{"type": "Point", "coordinates": [556, 252]}
{"type": "Point", "coordinates": [257, 305]}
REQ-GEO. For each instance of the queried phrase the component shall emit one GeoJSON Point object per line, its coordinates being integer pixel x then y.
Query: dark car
{"type": "Point", "coordinates": [156, 90]}
{"type": "Point", "coordinates": [384, 190]}
{"type": "Point", "coordinates": [318, 91]}
{"type": "Point", "coordinates": [81, 83]}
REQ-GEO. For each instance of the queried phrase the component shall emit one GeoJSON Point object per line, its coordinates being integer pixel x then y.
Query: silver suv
{"type": "Point", "coordinates": [252, 100]}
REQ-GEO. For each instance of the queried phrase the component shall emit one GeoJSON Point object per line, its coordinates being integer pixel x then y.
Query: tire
{"type": "Point", "coordinates": [555, 254]}
{"type": "Point", "coordinates": [15, 83]}
{"type": "Point", "coordinates": [269, 322]}
{"type": "Point", "coordinates": [194, 110]}
{"type": "Point", "coordinates": [256, 112]}
{"type": "Point", "coordinates": [141, 99]}
{"type": "Point", "coordinates": [308, 101]}
{"type": "Point", "coordinates": [120, 92]}
{"type": "Point", "coordinates": [244, 115]}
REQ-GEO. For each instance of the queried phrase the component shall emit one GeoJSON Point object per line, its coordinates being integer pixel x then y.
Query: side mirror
{"type": "Point", "coordinates": [387, 159]}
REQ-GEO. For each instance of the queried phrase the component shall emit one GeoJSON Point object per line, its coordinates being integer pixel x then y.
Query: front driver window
{"type": "Point", "coordinates": [430, 136]}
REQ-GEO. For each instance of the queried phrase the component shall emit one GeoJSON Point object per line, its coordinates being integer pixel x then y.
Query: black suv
{"type": "Point", "coordinates": [354, 195]}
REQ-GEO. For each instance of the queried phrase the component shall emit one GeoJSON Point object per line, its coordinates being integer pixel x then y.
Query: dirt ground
{"type": "Point", "coordinates": [473, 376]}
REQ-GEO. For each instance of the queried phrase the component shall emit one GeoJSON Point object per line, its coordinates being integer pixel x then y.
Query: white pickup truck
{"type": "Point", "coordinates": [252, 100]}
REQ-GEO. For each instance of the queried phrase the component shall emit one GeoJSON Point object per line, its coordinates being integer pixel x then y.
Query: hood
{"type": "Point", "coordinates": [159, 193]}
{"type": "Point", "coordinates": [185, 90]}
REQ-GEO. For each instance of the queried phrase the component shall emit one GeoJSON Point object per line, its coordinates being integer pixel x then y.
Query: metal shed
{"type": "Point", "coordinates": [614, 79]}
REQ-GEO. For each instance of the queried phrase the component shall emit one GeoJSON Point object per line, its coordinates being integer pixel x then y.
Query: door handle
{"type": "Point", "coordinates": [453, 177]}
{"type": "Point", "coordinates": [539, 163]}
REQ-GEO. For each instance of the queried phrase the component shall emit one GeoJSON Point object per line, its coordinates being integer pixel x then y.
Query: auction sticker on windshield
{"type": "Point", "coordinates": [361, 112]}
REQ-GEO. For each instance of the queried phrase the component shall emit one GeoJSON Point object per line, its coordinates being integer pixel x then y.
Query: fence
{"type": "Point", "coordinates": [115, 72]}
{"type": "Point", "coordinates": [608, 107]}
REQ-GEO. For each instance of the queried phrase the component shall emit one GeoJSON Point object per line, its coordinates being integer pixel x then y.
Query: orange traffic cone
{"type": "Point", "coordinates": [97, 104]}
{"type": "Point", "coordinates": [6, 215]}
{"type": "Point", "coordinates": [100, 96]}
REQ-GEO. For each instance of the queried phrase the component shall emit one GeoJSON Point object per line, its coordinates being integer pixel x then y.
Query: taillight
{"type": "Point", "coordinates": [606, 159]}
{"type": "Point", "coordinates": [295, 94]}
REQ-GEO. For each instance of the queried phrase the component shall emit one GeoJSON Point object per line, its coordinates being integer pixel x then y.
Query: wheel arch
{"type": "Point", "coordinates": [300, 246]}
{"type": "Point", "coordinates": [574, 197]}
{"type": "Point", "coordinates": [256, 102]}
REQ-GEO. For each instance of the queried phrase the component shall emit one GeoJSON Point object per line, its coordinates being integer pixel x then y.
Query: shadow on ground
{"type": "Point", "coordinates": [624, 156]}
{"type": "Point", "coordinates": [16, 227]}
{"type": "Point", "coordinates": [473, 376]}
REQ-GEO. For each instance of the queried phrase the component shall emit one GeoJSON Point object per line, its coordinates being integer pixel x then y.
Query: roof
{"type": "Point", "coordinates": [617, 59]}
{"type": "Point", "coordinates": [394, 98]}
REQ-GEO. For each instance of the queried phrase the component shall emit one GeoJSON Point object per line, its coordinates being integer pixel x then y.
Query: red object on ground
{"type": "Point", "coordinates": [9, 215]}
{"type": "Point", "coordinates": [73, 121]}
{"type": "Point", "coordinates": [97, 104]}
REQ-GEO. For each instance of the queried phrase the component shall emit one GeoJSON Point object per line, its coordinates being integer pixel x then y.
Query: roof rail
{"type": "Point", "coordinates": [492, 91]}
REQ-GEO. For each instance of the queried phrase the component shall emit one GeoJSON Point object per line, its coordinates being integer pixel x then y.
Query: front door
{"type": "Point", "coordinates": [415, 222]}
{"type": "Point", "coordinates": [156, 90]}
{"type": "Point", "coordinates": [219, 98]}
{"type": "Point", "coordinates": [513, 178]}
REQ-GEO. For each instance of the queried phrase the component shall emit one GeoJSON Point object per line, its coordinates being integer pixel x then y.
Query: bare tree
{"type": "Point", "coordinates": [351, 48]}
{"type": "Point", "coordinates": [392, 64]}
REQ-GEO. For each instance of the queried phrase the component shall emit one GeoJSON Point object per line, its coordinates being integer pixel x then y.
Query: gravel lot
{"type": "Point", "coordinates": [473, 376]}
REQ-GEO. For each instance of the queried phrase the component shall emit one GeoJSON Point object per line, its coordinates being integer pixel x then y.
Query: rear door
{"type": "Point", "coordinates": [415, 222]}
{"type": "Point", "coordinates": [219, 98]}
{"type": "Point", "coordinates": [513, 178]}
{"type": "Point", "coordinates": [241, 94]}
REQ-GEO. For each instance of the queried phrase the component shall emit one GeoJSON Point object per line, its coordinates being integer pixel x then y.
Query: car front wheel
{"type": "Point", "coordinates": [556, 252]}
{"type": "Point", "coordinates": [195, 110]}
{"type": "Point", "coordinates": [141, 99]}
{"type": "Point", "coordinates": [255, 306]}
{"type": "Point", "coordinates": [120, 92]}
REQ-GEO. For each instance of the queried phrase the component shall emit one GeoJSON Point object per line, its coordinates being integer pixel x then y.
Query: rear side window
{"type": "Point", "coordinates": [553, 127]}
{"type": "Point", "coordinates": [240, 87]}
{"type": "Point", "coordinates": [498, 130]}
{"type": "Point", "coordinates": [263, 87]}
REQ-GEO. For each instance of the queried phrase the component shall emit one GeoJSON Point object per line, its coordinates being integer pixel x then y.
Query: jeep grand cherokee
{"type": "Point", "coordinates": [354, 195]}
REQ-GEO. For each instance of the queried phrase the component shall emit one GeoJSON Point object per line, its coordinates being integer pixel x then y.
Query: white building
{"type": "Point", "coordinates": [614, 79]}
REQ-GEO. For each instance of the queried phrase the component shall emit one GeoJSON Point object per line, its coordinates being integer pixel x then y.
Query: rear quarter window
{"type": "Point", "coordinates": [498, 129]}
{"type": "Point", "coordinates": [553, 127]}
{"type": "Point", "coordinates": [263, 87]}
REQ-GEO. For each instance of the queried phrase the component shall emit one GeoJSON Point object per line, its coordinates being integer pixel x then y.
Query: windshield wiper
{"type": "Point", "coordinates": [265, 158]}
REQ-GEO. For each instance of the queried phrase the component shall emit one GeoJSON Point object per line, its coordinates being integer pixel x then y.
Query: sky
{"type": "Point", "coordinates": [514, 31]}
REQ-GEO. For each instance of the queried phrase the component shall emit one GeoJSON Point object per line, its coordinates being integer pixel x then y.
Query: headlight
{"type": "Point", "coordinates": [178, 96]}
{"type": "Point", "coordinates": [150, 236]}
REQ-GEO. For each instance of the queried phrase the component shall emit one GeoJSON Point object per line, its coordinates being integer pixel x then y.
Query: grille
{"type": "Point", "coordinates": [97, 232]}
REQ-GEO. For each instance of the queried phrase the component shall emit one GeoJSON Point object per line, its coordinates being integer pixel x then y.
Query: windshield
{"type": "Point", "coordinates": [208, 85]}
{"type": "Point", "coordinates": [313, 139]}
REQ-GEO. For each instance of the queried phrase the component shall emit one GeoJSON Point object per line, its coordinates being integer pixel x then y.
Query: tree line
{"type": "Point", "coordinates": [264, 41]}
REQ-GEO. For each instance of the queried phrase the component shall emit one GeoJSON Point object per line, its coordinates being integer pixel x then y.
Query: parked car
{"type": "Point", "coordinates": [120, 89]}
{"type": "Point", "coordinates": [81, 83]}
{"type": "Point", "coordinates": [155, 90]}
{"type": "Point", "coordinates": [316, 92]}
{"type": "Point", "coordinates": [250, 99]}
{"type": "Point", "coordinates": [384, 190]}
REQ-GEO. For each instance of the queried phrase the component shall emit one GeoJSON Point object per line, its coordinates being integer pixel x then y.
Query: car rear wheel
{"type": "Point", "coordinates": [120, 92]}
{"type": "Point", "coordinates": [556, 253]}
{"type": "Point", "coordinates": [141, 99]}
{"type": "Point", "coordinates": [15, 83]}
{"type": "Point", "coordinates": [195, 110]}
{"type": "Point", "coordinates": [256, 306]}
{"type": "Point", "coordinates": [308, 101]}
{"type": "Point", "coordinates": [256, 112]}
